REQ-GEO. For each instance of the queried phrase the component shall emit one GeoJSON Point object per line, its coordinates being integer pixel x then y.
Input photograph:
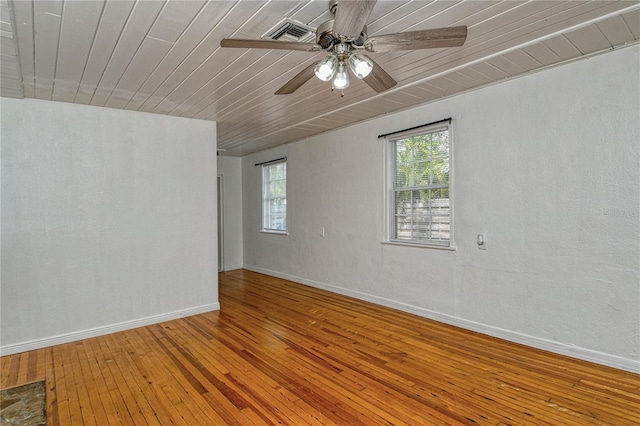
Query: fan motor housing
{"type": "Point", "coordinates": [326, 39]}
{"type": "Point", "coordinates": [324, 35]}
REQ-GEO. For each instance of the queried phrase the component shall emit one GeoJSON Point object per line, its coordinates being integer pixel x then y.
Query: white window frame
{"type": "Point", "coordinates": [390, 189]}
{"type": "Point", "coordinates": [267, 196]}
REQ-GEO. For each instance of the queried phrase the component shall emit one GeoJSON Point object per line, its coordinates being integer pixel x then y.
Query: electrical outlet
{"type": "Point", "coordinates": [482, 243]}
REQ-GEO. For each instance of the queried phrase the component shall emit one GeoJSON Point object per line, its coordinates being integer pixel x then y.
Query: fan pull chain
{"type": "Point", "coordinates": [341, 92]}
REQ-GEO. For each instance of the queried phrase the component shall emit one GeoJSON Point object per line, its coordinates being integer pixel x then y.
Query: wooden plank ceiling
{"type": "Point", "coordinates": [165, 57]}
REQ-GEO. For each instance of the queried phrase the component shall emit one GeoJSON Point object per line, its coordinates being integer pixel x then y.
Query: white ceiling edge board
{"type": "Point", "coordinates": [484, 59]}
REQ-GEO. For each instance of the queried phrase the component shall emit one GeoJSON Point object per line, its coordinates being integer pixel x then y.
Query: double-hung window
{"type": "Point", "coordinates": [274, 197]}
{"type": "Point", "coordinates": [418, 184]}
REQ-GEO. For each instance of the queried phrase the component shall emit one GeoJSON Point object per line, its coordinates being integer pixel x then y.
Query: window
{"type": "Point", "coordinates": [418, 168]}
{"type": "Point", "coordinates": [274, 197]}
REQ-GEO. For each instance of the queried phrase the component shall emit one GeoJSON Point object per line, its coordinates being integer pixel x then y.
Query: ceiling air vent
{"type": "Point", "coordinates": [289, 30]}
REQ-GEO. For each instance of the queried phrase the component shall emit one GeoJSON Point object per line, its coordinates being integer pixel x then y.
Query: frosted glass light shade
{"type": "Point", "coordinates": [360, 65]}
{"type": "Point", "coordinates": [326, 68]}
{"type": "Point", "coordinates": [341, 79]}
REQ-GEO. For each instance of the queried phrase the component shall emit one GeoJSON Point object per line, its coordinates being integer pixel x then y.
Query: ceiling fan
{"type": "Point", "coordinates": [344, 37]}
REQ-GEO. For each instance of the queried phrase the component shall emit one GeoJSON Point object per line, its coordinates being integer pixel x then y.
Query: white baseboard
{"type": "Point", "coordinates": [100, 331]}
{"type": "Point", "coordinates": [231, 267]}
{"type": "Point", "coordinates": [535, 342]}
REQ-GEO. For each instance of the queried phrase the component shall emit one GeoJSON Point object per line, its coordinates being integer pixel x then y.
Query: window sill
{"type": "Point", "coordinates": [422, 246]}
{"type": "Point", "coordinates": [275, 232]}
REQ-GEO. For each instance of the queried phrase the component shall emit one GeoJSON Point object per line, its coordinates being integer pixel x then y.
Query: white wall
{"type": "Point", "coordinates": [546, 166]}
{"type": "Point", "coordinates": [108, 221]}
{"type": "Point", "coordinates": [230, 168]}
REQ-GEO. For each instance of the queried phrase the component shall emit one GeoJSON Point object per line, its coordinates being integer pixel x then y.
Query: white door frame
{"type": "Point", "coordinates": [220, 225]}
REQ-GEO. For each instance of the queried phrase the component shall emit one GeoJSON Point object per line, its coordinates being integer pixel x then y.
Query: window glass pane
{"type": "Point", "coordinates": [403, 177]}
{"type": "Point", "coordinates": [277, 171]}
{"type": "Point", "coordinates": [403, 165]}
{"type": "Point", "coordinates": [439, 171]}
{"type": "Point", "coordinates": [421, 173]}
{"type": "Point", "coordinates": [439, 200]}
{"type": "Point", "coordinates": [403, 201]}
{"type": "Point", "coordinates": [421, 146]}
{"type": "Point", "coordinates": [439, 144]}
{"type": "Point", "coordinates": [276, 189]}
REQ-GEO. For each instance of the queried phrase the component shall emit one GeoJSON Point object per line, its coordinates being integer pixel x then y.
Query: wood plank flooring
{"type": "Point", "coordinates": [282, 353]}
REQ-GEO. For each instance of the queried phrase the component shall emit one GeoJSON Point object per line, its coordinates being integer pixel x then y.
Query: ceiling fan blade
{"type": "Point", "coordinates": [269, 44]}
{"type": "Point", "coordinates": [413, 40]}
{"type": "Point", "coordinates": [378, 78]}
{"type": "Point", "coordinates": [297, 81]}
{"type": "Point", "coordinates": [351, 17]}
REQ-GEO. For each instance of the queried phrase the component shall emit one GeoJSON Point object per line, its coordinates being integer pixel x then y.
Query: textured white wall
{"type": "Point", "coordinates": [231, 170]}
{"type": "Point", "coordinates": [546, 166]}
{"type": "Point", "coordinates": [108, 220]}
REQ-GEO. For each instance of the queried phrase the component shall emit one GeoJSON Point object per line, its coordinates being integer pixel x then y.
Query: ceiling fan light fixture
{"type": "Point", "coordinates": [344, 36]}
{"type": "Point", "coordinates": [326, 68]}
{"type": "Point", "coordinates": [361, 66]}
{"type": "Point", "coordinates": [341, 79]}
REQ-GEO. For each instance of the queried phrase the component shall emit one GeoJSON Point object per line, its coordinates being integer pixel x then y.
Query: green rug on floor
{"type": "Point", "coordinates": [23, 405]}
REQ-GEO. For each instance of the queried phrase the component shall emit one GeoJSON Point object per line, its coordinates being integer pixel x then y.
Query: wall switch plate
{"type": "Point", "coordinates": [322, 232]}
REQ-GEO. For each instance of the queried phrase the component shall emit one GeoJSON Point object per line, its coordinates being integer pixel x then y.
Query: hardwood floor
{"type": "Point", "coordinates": [282, 353]}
